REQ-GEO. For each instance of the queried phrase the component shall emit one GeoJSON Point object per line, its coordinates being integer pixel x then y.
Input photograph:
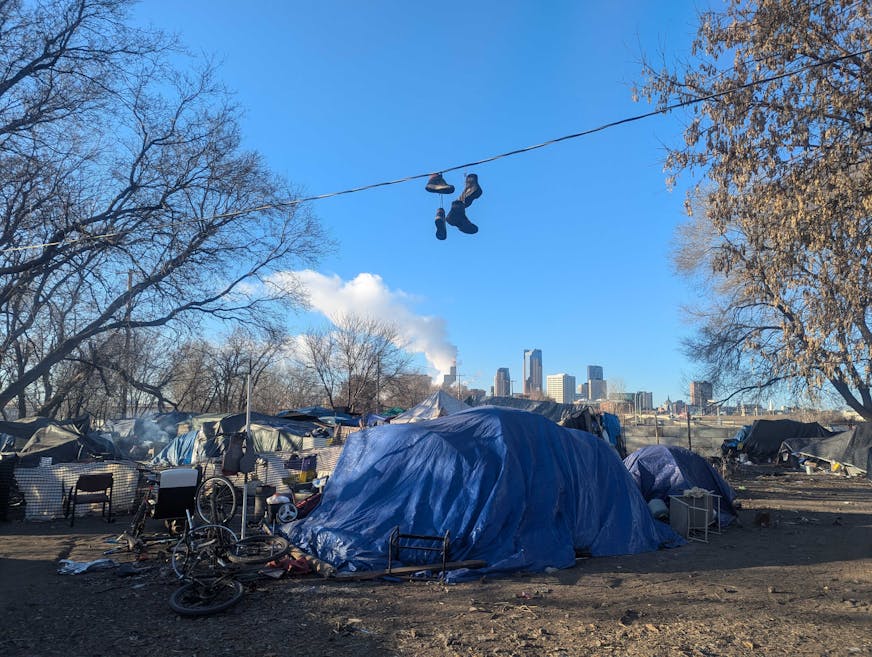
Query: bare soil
{"type": "Point", "coordinates": [798, 581]}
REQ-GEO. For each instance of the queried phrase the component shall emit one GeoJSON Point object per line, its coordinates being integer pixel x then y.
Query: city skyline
{"type": "Point", "coordinates": [357, 131]}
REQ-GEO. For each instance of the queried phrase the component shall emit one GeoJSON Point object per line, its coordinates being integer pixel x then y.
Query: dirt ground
{"type": "Point", "coordinates": [800, 584]}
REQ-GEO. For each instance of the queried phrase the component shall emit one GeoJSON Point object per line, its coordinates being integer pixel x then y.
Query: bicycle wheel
{"type": "Point", "coordinates": [204, 597]}
{"type": "Point", "coordinates": [216, 500]}
{"type": "Point", "coordinates": [258, 549]}
{"type": "Point", "coordinates": [201, 550]}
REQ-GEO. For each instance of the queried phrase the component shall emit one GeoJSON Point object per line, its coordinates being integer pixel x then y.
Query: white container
{"type": "Point", "coordinates": [809, 468]}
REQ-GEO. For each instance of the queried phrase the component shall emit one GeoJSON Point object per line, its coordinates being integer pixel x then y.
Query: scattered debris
{"type": "Point", "coordinates": [70, 567]}
{"type": "Point", "coordinates": [630, 616]}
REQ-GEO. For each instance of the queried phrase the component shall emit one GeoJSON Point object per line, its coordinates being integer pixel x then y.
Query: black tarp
{"type": "Point", "coordinates": [22, 429]}
{"type": "Point", "coordinates": [852, 447]}
{"type": "Point", "coordinates": [65, 445]}
{"type": "Point", "coordinates": [765, 437]}
{"type": "Point", "coordinates": [552, 410]}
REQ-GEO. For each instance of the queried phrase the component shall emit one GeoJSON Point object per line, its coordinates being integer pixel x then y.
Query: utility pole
{"type": "Point", "coordinates": [689, 444]}
{"type": "Point", "coordinates": [126, 359]}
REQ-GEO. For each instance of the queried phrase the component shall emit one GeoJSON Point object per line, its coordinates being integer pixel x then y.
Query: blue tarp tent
{"type": "Point", "coordinates": [513, 489]}
{"type": "Point", "coordinates": [179, 451]}
{"type": "Point", "coordinates": [664, 470]}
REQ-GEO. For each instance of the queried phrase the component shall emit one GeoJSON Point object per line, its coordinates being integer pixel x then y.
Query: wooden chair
{"type": "Point", "coordinates": [91, 489]}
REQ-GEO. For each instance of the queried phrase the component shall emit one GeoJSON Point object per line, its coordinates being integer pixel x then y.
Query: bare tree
{"type": "Point", "coordinates": [113, 164]}
{"type": "Point", "coordinates": [354, 359]}
{"type": "Point", "coordinates": [405, 390]}
{"type": "Point", "coordinates": [782, 226]}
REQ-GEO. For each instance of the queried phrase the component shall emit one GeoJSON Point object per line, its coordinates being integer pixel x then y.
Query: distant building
{"type": "Point", "coordinates": [532, 371]}
{"type": "Point", "coordinates": [597, 389]}
{"type": "Point", "coordinates": [700, 394]}
{"type": "Point", "coordinates": [644, 400]}
{"type": "Point", "coordinates": [561, 388]}
{"type": "Point", "coordinates": [451, 378]}
{"type": "Point", "coordinates": [583, 391]}
{"type": "Point", "coordinates": [502, 383]}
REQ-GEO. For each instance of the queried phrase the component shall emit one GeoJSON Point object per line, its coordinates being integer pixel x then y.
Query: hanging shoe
{"type": "Point", "coordinates": [437, 185]}
{"type": "Point", "coordinates": [472, 190]}
{"type": "Point", "coordinates": [457, 217]}
{"type": "Point", "coordinates": [441, 233]}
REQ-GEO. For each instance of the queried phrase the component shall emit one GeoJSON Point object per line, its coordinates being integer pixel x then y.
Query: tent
{"type": "Point", "coordinates": [63, 444]}
{"type": "Point", "coordinates": [513, 489]}
{"type": "Point", "coordinates": [321, 414]}
{"type": "Point", "coordinates": [852, 448]}
{"type": "Point", "coordinates": [179, 451]}
{"type": "Point", "coordinates": [552, 410]}
{"type": "Point", "coordinates": [270, 434]}
{"type": "Point", "coordinates": [664, 470]}
{"type": "Point", "coordinates": [764, 439]}
{"type": "Point", "coordinates": [14, 434]}
{"type": "Point", "coordinates": [439, 404]}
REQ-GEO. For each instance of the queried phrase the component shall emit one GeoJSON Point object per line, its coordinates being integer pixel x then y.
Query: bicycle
{"type": "Point", "coordinates": [208, 559]}
{"type": "Point", "coordinates": [216, 500]}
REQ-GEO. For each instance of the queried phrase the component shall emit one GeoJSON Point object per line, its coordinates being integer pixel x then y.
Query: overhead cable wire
{"type": "Point", "coordinates": [605, 126]}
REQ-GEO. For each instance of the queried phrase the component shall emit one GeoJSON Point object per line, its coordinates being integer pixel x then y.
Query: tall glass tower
{"type": "Point", "coordinates": [532, 371]}
{"type": "Point", "coordinates": [502, 383]}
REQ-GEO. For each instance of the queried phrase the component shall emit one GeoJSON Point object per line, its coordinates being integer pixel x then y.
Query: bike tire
{"type": "Point", "coordinates": [199, 598]}
{"type": "Point", "coordinates": [201, 548]}
{"type": "Point", "coordinates": [216, 500]}
{"type": "Point", "coordinates": [258, 549]}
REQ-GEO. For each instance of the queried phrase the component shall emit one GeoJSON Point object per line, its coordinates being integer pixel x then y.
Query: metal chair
{"type": "Point", "coordinates": [91, 489]}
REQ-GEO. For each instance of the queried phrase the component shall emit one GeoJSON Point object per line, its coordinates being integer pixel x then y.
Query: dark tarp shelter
{"type": "Point", "coordinates": [65, 445]}
{"type": "Point", "coordinates": [664, 470]}
{"type": "Point", "coordinates": [852, 448]}
{"type": "Point", "coordinates": [764, 439]}
{"type": "Point", "coordinates": [568, 415]}
{"type": "Point", "coordinates": [552, 410]}
{"type": "Point", "coordinates": [269, 433]}
{"type": "Point", "coordinates": [15, 433]}
{"type": "Point", "coordinates": [513, 489]}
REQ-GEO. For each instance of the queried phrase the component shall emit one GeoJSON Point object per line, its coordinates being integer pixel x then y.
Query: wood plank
{"type": "Point", "coordinates": [409, 570]}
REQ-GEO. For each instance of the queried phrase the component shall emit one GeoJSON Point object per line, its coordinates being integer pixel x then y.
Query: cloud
{"type": "Point", "coordinates": [368, 294]}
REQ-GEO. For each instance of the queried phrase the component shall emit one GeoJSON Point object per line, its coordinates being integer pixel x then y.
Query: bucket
{"type": "Point", "coordinates": [809, 468]}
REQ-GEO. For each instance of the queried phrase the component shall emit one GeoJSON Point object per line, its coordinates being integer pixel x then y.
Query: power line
{"type": "Point", "coordinates": [605, 126]}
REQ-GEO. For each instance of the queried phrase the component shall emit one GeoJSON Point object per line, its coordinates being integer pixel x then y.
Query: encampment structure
{"type": "Point", "coordinates": [512, 488]}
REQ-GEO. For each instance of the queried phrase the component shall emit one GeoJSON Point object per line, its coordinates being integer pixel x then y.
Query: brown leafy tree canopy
{"type": "Point", "coordinates": [782, 195]}
{"type": "Point", "coordinates": [127, 202]}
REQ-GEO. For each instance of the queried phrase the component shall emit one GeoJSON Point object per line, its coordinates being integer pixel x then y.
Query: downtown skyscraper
{"type": "Point", "coordinates": [532, 371]}
{"type": "Point", "coordinates": [502, 383]}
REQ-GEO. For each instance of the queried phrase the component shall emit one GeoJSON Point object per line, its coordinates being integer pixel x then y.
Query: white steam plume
{"type": "Point", "coordinates": [367, 294]}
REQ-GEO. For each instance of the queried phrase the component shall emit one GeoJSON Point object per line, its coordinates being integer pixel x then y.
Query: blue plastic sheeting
{"type": "Point", "coordinates": [179, 451]}
{"type": "Point", "coordinates": [612, 425]}
{"type": "Point", "coordinates": [663, 470]}
{"type": "Point", "coordinates": [513, 489]}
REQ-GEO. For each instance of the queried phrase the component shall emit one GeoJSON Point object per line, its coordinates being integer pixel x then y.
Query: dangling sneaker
{"type": "Point", "coordinates": [441, 233]}
{"type": "Point", "coordinates": [472, 190]}
{"type": "Point", "coordinates": [457, 217]}
{"type": "Point", "coordinates": [437, 185]}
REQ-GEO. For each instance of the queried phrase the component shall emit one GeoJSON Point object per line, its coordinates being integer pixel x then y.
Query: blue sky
{"type": "Point", "coordinates": [572, 255]}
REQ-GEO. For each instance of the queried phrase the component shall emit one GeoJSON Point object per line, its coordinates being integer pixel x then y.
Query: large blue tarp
{"type": "Point", "coordinates": [179, 451]}
{"type": "Point", "coordinates": [664, 470]}
{"type": "Point", "coordinates": [513, 489]}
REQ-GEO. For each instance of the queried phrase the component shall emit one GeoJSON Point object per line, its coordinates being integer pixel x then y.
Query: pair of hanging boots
{"type": "Point", "coordinates": [457, 214]}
